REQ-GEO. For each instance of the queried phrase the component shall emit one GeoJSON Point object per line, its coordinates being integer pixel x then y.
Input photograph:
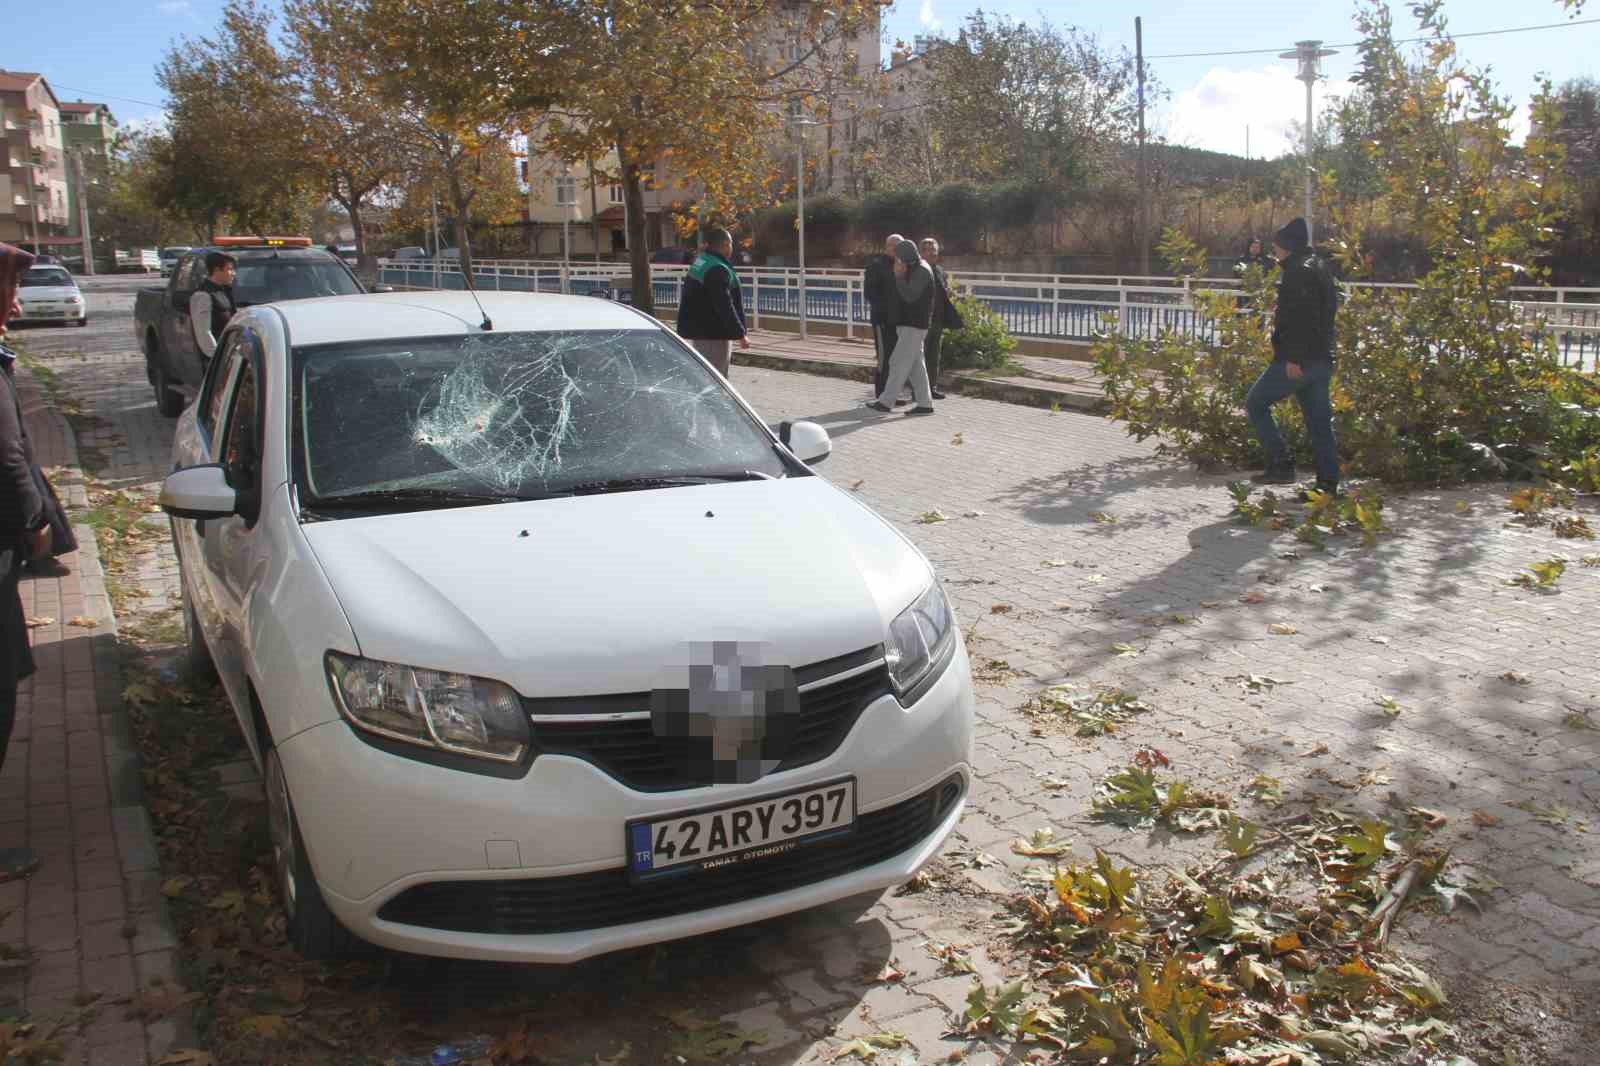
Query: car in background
{"type": "Point", "coordinates": [442, 571]}
{"type": "Point", "coordinates": [170, 257]}
{"type": "Point", "coordinates": [269, 269]}
{"type": "Point", "coordinates": [48, 294]}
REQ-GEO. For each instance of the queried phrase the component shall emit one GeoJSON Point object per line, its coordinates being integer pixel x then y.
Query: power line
{"type": "Point", "coordinates": [1408, 40]}
{"type": "Point", "coordinates": [106, 96]}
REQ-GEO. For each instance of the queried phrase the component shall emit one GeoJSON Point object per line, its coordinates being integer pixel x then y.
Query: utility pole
{"type": "Point", "coordinates": [1309, 54]}
{"type": "Point", "coordinates": [1247, 142]}
{"type": "Point", "coordinates": [1144, 192]}
{"type": "Point", "coordinates": [800, 123]}
{"type": "Point", "coordinates": [83, 212]}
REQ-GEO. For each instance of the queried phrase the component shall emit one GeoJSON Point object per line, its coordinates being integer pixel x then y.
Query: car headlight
{"type": "Point", "coordinates": [74, 299]}
{"type": "Point", "coordinates": [919, 638]}
{"type": "Point", "coordinates": [446, 712]}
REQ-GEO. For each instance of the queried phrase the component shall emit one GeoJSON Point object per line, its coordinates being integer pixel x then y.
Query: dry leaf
{"type": "Point", "coordinates": [890, 974]}
{"type": "Point", "coordinates": [1210, 604]}
{"type": "Point", "coordinates": [35, 623]}
{"type": "Point", "coordinates": [1378, 640]}
{"type": "Point", "coordinates": [1282, 629]}
{"type": "Point", "coordinates": [290, 987]}
{"type": "Point", "coordinates": [1253, 597]}
{"type": "Point", "coordinates": [266, 1026]}
{"type": "Point", "coordinates": [82, 621]}
{"type": "Point", "coordinates": [1000, 608]}
{"type": "Point", "coordinates": [1484, 820]}
{"type": "Point", "coordinates": [1282, 945]}
{"type": "Point", "coordinates": [1054, 563]}
{"type": "Point", "coordinates": [957, 439]}
{"type": "Point", "coordinates": [1516, 678]}
{"type": "Point", "coordinates": [1320, 749]}
{"type": "Point", "coordinates": [187, 1056]}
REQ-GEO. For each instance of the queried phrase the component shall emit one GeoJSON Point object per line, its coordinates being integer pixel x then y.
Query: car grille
{"type": "Point", "coordinates": [545, 905]}
{"type": "Point", "coordinates": [629, 751]}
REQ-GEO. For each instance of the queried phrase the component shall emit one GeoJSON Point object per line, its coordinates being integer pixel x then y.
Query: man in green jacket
{"type": "Point", "coordinates": [711, 305]}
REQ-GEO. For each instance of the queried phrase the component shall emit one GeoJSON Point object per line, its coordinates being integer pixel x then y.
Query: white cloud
{"type": "Point", "coordinates": [174, 7]}
{"type": "Point", "coordinates": [1214, 113]}
{"type": "Point", "coordinates": [927, 17]}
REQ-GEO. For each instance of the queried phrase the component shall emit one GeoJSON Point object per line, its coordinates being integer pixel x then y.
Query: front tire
{"type": "Point", "coordinates": [313, 930]}
{"type": "Point", "coordinates": [83, 321]}
{"type": "Point", "coordinates": [197, 661]}
{"type": "Point", "coordinates": [168, 402]}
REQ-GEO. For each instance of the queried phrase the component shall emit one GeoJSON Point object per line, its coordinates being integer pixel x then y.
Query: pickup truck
{"type": "Point", "coordinates": [267, 273]}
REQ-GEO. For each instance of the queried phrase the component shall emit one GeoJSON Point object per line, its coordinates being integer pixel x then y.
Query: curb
{"type": "Point", "coordinates": [1005, 390]}
{"type": "Point", "coordinates": [153, 947]}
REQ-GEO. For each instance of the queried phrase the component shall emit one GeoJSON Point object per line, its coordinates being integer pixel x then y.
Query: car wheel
{"type": "Point", "coordinates": [197, 661]}
{"type": "Point", "coordinates": [168, 402]}
{"type": "Point", "coordinates": [312, 929]}
{"type": "Point", "coordinates": [83, 321]}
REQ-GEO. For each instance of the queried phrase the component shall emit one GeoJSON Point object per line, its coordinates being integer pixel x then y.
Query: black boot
{"type": "Point", "coordinates": [1280, 473]}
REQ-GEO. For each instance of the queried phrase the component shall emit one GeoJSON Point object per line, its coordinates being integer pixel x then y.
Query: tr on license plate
{"type": "Point", "coordinates": [745, 832]}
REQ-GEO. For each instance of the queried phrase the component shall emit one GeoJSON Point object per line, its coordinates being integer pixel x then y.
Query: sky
{"type": "Point", "coordinates": [107, 50]}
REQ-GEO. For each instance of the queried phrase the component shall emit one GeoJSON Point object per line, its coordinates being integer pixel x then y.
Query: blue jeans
{"type": "Point", "coordinates": [1311, 390]}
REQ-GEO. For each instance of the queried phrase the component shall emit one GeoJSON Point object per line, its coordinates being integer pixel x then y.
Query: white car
{"type": "Point", "coordinates": [48, 294]}
{"type": "Point", "coordinates": [546, 645]}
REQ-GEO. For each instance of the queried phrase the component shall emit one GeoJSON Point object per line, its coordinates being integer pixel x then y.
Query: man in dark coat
{"type": "Point", "coordinates": [1302, 361]}
{"type": "Point", "coordinates": [711, 306]}
{"type": "Point", "coordinates": [944, 316]}
{"type": "Point", "coordinates": [914, 286]}
{"type": "Point", "coordinates": [24, 534]}
{"type": "Point", "coordinates": [1254, 255]}
{"type": "Point", "coordinates": [212, 304]}
{"type": "Point", "coordinates": [883, 305]}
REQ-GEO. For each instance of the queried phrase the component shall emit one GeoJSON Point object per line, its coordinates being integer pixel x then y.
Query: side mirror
{"type": "Point", "coordinates": [381, 287]}
{"type": "Point", "coordinates": [808, 441]}
{"type": "Point", "coordinates": [199, 492]}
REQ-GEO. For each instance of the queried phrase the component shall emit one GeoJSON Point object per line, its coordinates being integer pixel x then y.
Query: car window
{"type": "Point", "coordinates": [215, 387]}
{"type": "Point", "coordinates": [267, 279]}
{"type": "Point", "coordinates": [241, 453]}
{"type": "Point", "coordinates": [516, 413]}
{"type": "Point", "coordinates": [46, 275]}
{"type": "Point", "coordinates": [192, 272]}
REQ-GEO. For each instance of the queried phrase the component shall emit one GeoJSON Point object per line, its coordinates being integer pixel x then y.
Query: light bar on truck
{"type": "Point", "coordinates": [262, 242]}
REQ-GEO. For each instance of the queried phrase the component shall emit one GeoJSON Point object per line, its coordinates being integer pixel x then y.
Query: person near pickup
{"type": "Point", "coordinates": [914, 286]}
{"type": "Point", "coordinates": [212, 303]}
{"type": "Point", "coordinates": [711, 307]}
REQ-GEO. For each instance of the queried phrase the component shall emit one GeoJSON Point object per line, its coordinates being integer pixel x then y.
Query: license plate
{"type": "Point", "coordinates": [740, 833]}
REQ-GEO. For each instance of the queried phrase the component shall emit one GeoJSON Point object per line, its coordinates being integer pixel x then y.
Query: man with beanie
{"type": "Point", "coordinates": [711, 305]}
{"type": "Point", "coordinates": [1302, 361]}
{"type": "Point", "coordinates": [877, 285]}
{"type": "Point", "coordinates": [914, 285]}
{"type": "Point", "coordinates": [212, 303]}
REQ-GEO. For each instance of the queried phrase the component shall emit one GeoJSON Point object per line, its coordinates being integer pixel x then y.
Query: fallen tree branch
{"type": "Point", "coordinates": [1383, 914]}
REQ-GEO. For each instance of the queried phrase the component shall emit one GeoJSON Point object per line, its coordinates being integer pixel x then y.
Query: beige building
{"type": "Point", "coordinates": [33, 177]}
{"type": "Point", "coordinates": [593, 206]}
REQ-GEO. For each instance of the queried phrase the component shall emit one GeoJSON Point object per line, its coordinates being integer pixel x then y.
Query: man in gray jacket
{"type": "Point", "coordinates": [914, 285]}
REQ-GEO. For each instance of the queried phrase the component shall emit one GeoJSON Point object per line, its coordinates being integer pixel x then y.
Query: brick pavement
{"type": "Point", "coordinates": [90, 923]}
{"type": "Point", "coordinates": [1425, 617]}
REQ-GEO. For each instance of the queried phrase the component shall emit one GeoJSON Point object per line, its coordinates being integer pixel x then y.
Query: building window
{"type": "Point", "coordinates": [566, 191]}
{"type": "Point", "coordinates": [616, 194]}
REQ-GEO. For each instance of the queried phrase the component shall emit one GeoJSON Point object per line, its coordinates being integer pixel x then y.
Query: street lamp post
{"type": "Point", "coordinates": [1310, 54]}
{"type": "Point", "coordinates": [800, 123]}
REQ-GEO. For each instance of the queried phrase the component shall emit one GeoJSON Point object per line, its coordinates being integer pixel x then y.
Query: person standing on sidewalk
{"type": "Point", "coordinates": [711, 306]}
{"type": "Point", "coordinates": [212, 303]}
{"type": "Point", "coordinates": [24, 534]}
{"type": "Point", "coordinates": [882, 307]}
{"type": "Point", "coordinates": [945, 315]}
{"type": "Point", "coordinates": [1302, 361]}
{"type": "Point", "coordinates": [913, 281]}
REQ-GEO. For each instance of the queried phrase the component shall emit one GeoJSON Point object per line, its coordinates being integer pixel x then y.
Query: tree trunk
{"type": "Point", "coordinates": [594, 214]}
{"type": "Point", "coordinates": [461, 201]}
{"type": "Point", "coordinates": [638, 249]}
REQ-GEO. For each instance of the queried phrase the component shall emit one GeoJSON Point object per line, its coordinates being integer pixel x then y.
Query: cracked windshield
{"type": "Point", "coordinates": [519, 414]}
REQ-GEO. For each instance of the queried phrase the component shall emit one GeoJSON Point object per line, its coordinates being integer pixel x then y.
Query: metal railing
{"type": "Point", "coordinates": [1053, 308]}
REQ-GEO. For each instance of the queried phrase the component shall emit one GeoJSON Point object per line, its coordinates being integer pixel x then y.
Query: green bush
{"type": "Point", "coordinates": [957, 212]}
{"type": "Point", "coordinates": [903, 211]}
{"type": "Point", "coordinates": [982, 343]}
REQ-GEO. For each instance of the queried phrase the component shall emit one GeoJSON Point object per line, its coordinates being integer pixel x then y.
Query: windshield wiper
{"type": "Point", "coordinates": [662, 481]}
{"type": "Point", "coordinates": [428, 497]}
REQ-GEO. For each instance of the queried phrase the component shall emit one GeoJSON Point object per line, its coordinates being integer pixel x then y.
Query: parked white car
{"type": "Point", "coordinates": [546, 645]}
{"type": "Point", "coordinates": [48, 294]}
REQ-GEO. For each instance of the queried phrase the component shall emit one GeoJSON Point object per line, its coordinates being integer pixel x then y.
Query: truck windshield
{"type": "Point", "coordinates": [261, 281]}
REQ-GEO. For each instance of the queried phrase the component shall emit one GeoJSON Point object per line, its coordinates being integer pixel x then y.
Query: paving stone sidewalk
{"type": "Point", "coordinates": [90, 925]}
{"type": "Point", "coordinates": [1092, 545]}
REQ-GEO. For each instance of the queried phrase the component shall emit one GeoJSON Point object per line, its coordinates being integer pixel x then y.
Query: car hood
{"type": "Point", "coordinates": [599, 594]}
{"type": "Point", "coordinates": [47, 293]}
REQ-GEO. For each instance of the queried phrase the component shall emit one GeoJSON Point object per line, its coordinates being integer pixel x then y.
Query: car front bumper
{"type": "Point", "coordinates": [376, 825]}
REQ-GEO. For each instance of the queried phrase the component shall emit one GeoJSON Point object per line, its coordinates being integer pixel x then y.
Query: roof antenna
{"type": "Point", "coordinates": [485, 325]}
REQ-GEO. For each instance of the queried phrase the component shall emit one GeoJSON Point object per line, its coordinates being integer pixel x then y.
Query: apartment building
{"type": "Point", "coordinates": [89, 131]}
{"type": "Point", "coordinates": [580, 200]}
{"type": "Point", "coordinates": [33, 176]}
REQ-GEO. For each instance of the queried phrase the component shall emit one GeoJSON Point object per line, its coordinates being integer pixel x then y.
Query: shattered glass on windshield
{"type": "Point", "coordinates": [516, 413]}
